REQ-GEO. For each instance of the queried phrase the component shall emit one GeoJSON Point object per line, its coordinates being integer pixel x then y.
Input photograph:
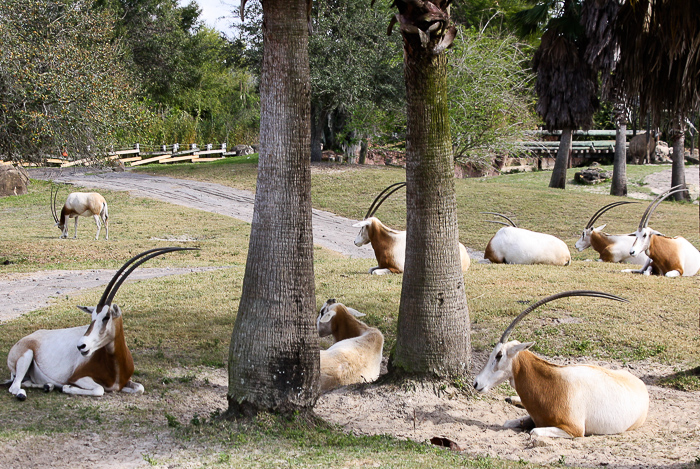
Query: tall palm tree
{"type": "Point", "coordinates": [602, 53]}
{"type": "Point", "coordinates": [274, 358]}
{"type": "Point", "coordinates": [660, 63]}
{"type": "Point", "coordinates": [433, 325]}
{"type": "Point", "coordinates": [566, 85]}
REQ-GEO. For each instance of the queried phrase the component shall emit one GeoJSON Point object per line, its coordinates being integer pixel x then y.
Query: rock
{"type": "Point", "coordinates": [13, 181]}
{"type": "Point", "coordinates": [242, 150]}
{"type": "Point", "coordinates": [592, 176]}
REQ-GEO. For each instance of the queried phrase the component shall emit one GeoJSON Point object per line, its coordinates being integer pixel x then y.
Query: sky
{"type": "Point", "coordinates": [213, 10]}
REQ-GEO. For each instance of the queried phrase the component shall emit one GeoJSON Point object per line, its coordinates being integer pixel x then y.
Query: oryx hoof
{"type": "Point", "coordinates": [48, 387]}
{"type": "Point", "coordinates": [21, 395]}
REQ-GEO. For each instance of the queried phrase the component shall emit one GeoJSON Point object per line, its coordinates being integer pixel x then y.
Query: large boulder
{"type": "Point", "coordinates": [592, 176]}
{"type": "Point", "coordinates": [13, 181]}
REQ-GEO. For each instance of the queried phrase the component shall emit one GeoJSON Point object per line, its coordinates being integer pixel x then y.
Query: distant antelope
{"type": "Point", "coordinates": [612, 248]}
{"type": "Point", "coordinates": [79, 360]}
{"type": "Point", "coordinates": [671, 257]}
{"type": "Point", "coordinates": [81, 204]}
{"type": "Point", "coordinates": [513, 245]}
{"type": "Point", "coordinates": [565, 401]}
{"type": "Point", "coordinates": [390, 245]}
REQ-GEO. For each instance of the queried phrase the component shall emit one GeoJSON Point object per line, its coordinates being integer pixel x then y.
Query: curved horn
{"type": "Point", "coordinates": [388, 191]}
{"type": "Point", "coordinates": [512, 223]}
{"type": "Point", "coordinates": [118, 278]}
{"type": "Point", "coordinates": [565, 294]}
{"type": "Point", "coordinates": [52, 204]}
{"type": "Point", "coordinates": [644, 222]}
{"type": "Point", "coordinates": [597, 214]}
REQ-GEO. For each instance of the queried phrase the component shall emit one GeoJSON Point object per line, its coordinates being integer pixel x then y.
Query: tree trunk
{"type": "Point", "coordinates": [678, 158]}
{"type": "Point", "coordinates": [558, 180]}
{"type": "Point", "coordinates": [619, 179]}
{"type": "Point", "coordinates": [433, 326]}
{"type": "Point", "coordinates": [274, 358]}
{"type": "Point", "coordinates": [363, 151]}
{"type": "Point", "coordinates": [317, 119]}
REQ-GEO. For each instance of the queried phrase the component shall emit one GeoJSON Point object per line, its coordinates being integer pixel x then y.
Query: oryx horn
{"type": "Point", "coordinates": [52, 203]}
{"type": "Point", "coordinates": [388, 191]}
{"type": "Point", "coordinates": [137, 260]}
{"type": "Point", "coordinates": [510, 222]}
{"type": "Point", "coordinates": [565, 294]}
{"type": "Point", "coordinates": [604, 209]}
{"type": "Point", "coordinates": [655, 203]}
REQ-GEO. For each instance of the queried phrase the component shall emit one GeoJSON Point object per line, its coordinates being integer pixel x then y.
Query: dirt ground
{"type": "Point", "coordinates": [670, 437]}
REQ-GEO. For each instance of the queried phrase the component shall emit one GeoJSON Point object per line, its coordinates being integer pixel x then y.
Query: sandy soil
{"type": "Point", "coordinates": [670, 438]}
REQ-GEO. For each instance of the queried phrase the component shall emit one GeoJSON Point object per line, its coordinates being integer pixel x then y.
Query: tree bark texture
{"type": "Point", "coordinates": [619, 179]}
{"type": "Point", "coordinates": [558, 180]}
{"type": "Point", "coordinates": [273, 357]}
{"type": "Point", "coordinates": [433, 325]}
{"type": "Point", "coordinates": [678, 158]}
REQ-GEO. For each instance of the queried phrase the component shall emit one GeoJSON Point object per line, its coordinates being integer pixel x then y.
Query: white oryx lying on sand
{"type": "Point", "coordinates": [81, 360]}
{"type": "Point", "coordinates": [565, 401]}
{"type": "Point", "coordinates": [356, 355]}
{"type": "Point", "coordinates": [513, 245]}
{"type": "Point", "coordinates": [390, 245]}
{"type": "Point", "coordinates": [672, 257]}
{"type": "Point", "coordinates": [81, 204]}
{"type": "Point", "coordinates": [612, 248]}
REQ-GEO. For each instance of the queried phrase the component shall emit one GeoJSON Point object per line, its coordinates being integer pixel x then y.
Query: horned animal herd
{"type": "Point", "coordinates": [561, 401]}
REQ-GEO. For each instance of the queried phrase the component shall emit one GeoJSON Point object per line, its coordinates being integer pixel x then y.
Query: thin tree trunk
{"type": "Point", "coordinates": [317, 117]}
{"type": "Point", "coordinates": [558, 180]}
{"type": "Point", "coordinates": [678, 158]}
{"type": "Point", "coordinates": [619, 179]}
{"type": "Point", "coordinates": [433, 325]}
{"type": "Point", "coordinates": [274, 358]}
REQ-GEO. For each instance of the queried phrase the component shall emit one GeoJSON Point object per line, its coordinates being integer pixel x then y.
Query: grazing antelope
{"type": "Point", "coordinates": [513, 245]}
{"type": "Point", "coordinates": [565, 401]}
{"type": "Point", "coordinates": [81, 204]}
{"type": "Point", "coordinates": [612, 248]}
{"type": "Point", "coordinates": [390, 245]}
{"type": "Point", "coordinates": [81, 361]}
{"type": "Point", "coordinates": [356, 356]}
{"type": "Point", "coordinates": [672, 257]}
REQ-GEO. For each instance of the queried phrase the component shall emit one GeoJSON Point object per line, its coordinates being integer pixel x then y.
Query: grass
{"type": "Point", "coordinates": [179, 327]}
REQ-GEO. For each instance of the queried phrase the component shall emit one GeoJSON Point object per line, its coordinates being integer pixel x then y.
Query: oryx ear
{"type": "Point", "coordinates": [355, 312]}
{"type": "Point", "coordinates": [516, 348]}
{"type": "Point", "coordinates": [328, 316]}
{"type": "Point", "coordinates": [87, 309]}
{"type": "Point", "coordinates": [362, 223]}
{"type": "Point", "coordinates": [600, 228]}
{"type": "Point", "coordinates": [115, 311]}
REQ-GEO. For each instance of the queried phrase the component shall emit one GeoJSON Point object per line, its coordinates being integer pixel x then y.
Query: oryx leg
{"type": "Point", "coordinates": [99, 225]}
{"type": "Point", "coordinates": [378, 271]}
{"type": "Point", "coordinates": [523, 422]}
{"type": "Point", "coordinates": [84, 387]}
{"type": "Point", "coordinates": [75, 233]}
{"type": "Point", "coordinates": [21, 368]}
{"type": "Point", "coordinates": [515, 400]}
{"type": "Point", "coordinates": [552, 432]}
{"type": "Point", "coordinates": [646, 269]}
{"type": "Point", "coordinates": [133, 388]}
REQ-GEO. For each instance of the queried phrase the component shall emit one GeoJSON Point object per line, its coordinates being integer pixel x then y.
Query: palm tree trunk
{"type": "Point", "coordinates": [433, 325]}
{"type": "Point", "coordinates": [273, 357]}
{"type": "Point", "coordinates": [678, 158]}
{"type": "Point", "coordinates": [619, 179]}
{"type": "Point", "coordinates": [558, 180]}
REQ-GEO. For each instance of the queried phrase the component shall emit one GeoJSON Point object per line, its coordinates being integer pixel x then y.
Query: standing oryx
{"type": "Point", "coordinates": [81, 204]}
{"type": "Point", "coordinates": [86, 361]}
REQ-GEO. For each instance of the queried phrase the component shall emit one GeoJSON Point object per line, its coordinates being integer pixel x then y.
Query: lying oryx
{"type": "Point", "coordinates": [81, 204]}
{"type": "Point", "coordinates": [81, 360]}
{"type": "Point", "coordinates": [565, 401]}
{"type": "Point", "coordinates": [390, 245]}
{"type": "Point", "coordinates": [671, 257]}
{"type": "Point", "coordinates": [612, 248]}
